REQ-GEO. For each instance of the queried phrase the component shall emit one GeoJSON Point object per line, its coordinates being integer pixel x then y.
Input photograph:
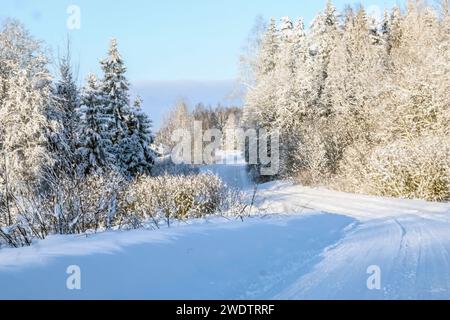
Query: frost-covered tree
{"type": "Point", "coordinates": [322, 38]}
{"type": "Point", "coordinates": [269, 49]}
{"type": "Point", "coordinates": [25, 103]}
{"type": "Point", "coordinates": [352, 90]}
{"type": "Point", "coordinates": [392, 29]}
{"type": "Point", "coordinates": [291, 89]}
{"type": "Point", "coordinates": [286, 69]}
{"type": "Point", "coordinates": [354, 71]}
{"type": "Point", "coordinates": [417, 105]}
{"type": "Point", "coordinates": [95, 144]}
{"type": "Point", "coordinates": [249, 57]}
{"type": "Point", "coordinates": [178, 118]}
{"type": "Point", "coordinates": [260, 106]}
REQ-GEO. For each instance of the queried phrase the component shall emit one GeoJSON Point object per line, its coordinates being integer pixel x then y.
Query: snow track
{"type": "Point", "coordinates": [408, 240]}
{"type": "Point", "coordinates": [412, 253]}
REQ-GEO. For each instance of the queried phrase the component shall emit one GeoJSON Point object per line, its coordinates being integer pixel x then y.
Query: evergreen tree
{"type": "Point", "coordinates": [95, 143]}
{"type": "Point", "coordinates": [289, 88]}
{"type": "Point", "coordinates": [322, 38]}
{"type": "Point", "coordinates": [269, 49]}
{"type": "Point", "coordinates": [393, 30]}
{"type": "Point", "coordinates": [67, 103]}
{"type": "Point", "coordinates": [143, 138]}
{"type": "Point", "coordinates": [115, 95]}
{"type": "Point", "coordinates": [290, 68]}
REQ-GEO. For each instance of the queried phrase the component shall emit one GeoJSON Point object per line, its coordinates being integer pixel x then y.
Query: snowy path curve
{"type": "Point", "coordinates": [408, 240]}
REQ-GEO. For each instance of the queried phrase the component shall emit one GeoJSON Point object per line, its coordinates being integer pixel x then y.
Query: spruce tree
{"type": "Point", "coordinates": [323, 36]}
{"type": "Point", "coordinates": [95, 143]}
{"type": "Point", "coordinates": [115, 95]}
{"type": "Point", "coordinates": [136, 156]}
{"type": "Point", "coordinates": [67, 103]}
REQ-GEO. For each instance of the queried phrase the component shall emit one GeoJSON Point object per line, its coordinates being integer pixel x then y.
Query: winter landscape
{"type": "Point", "coordinates": [322, 172]}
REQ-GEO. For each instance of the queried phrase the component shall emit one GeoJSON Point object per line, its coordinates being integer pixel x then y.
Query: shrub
{"type": "Point", "coordinates": [99, 202]}
{"type": "Point", "coordinates": [166, 198]}
{"type": "Point", "coordinates": [408, 169]}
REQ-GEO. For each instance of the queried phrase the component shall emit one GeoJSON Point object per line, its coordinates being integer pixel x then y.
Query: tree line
{"type": "Point", "coordinates": [362, 105]}
{"type": "Point", "coordinates": [180, 117]}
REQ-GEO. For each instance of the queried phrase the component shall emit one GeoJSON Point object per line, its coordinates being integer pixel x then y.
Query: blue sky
{"type": "Point", "coordinates": [162, 41]}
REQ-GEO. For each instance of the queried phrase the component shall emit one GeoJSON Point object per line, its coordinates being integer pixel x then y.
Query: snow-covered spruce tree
{"type": "Point", "coordinates": [95, 143]}
{"type": "Point", "coordinates": [260, 109]}
{"type": "Point", "coordinates": [66, 98]}
{"type": "Point", "coordinates": [146, 137]}
{"type": "Point", "coordinates": [309, 157]}
{"type": "Point", "coordinates": [291, 72]}
{"type": "Point", "coordinates": [392, 29]}
{"type": "Point", "coordinates": [135, 154]}
{"type": "Point", "coordinates": [115, 95]}
{"type": "Point", "coordinates": [322, 39]}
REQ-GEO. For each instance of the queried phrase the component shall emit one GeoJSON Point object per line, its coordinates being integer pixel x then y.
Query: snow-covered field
{"type": "Point", "coordinates": [304, 244]}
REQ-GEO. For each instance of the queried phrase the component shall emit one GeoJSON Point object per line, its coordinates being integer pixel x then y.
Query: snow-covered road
{"type": "Point", "coordinates": [413, 255]}
{"type": "Point", "coordinates": [408, 240]}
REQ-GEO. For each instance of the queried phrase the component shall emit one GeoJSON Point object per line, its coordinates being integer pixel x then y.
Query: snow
{"type": "Point", "coordinates": [304, 243]}
{"type": "Point", "coordinates": [285, 197]}
{"type": "Point", "coordinates": [201, 261]}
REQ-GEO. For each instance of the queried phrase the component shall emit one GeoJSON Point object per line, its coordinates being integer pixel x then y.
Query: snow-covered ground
{"type": "Point", "coordinates": [305, 244]}
{"type": "Point", "coordinates": [408, 240]}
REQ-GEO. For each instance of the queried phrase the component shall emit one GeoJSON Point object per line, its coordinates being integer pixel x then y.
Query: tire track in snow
{"type": "Point", "coordinates": [413, 259]}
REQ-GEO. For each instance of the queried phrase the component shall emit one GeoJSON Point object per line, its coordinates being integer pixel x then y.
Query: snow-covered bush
{"type": "Point", "coordinates": [311, 157]}
{"type": "Point", "coordinates": [109, 201]}
{"type": "Point", "coordinates": [15, 236]}
{"type": "Point", "coordinates": [407, 169]}
{"type": "Point", "coordinates": [166, 198]}
{"type": "Point", "coordinates": [67, 206]}
{"type": "Point", "coordinates": [91, 204]}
